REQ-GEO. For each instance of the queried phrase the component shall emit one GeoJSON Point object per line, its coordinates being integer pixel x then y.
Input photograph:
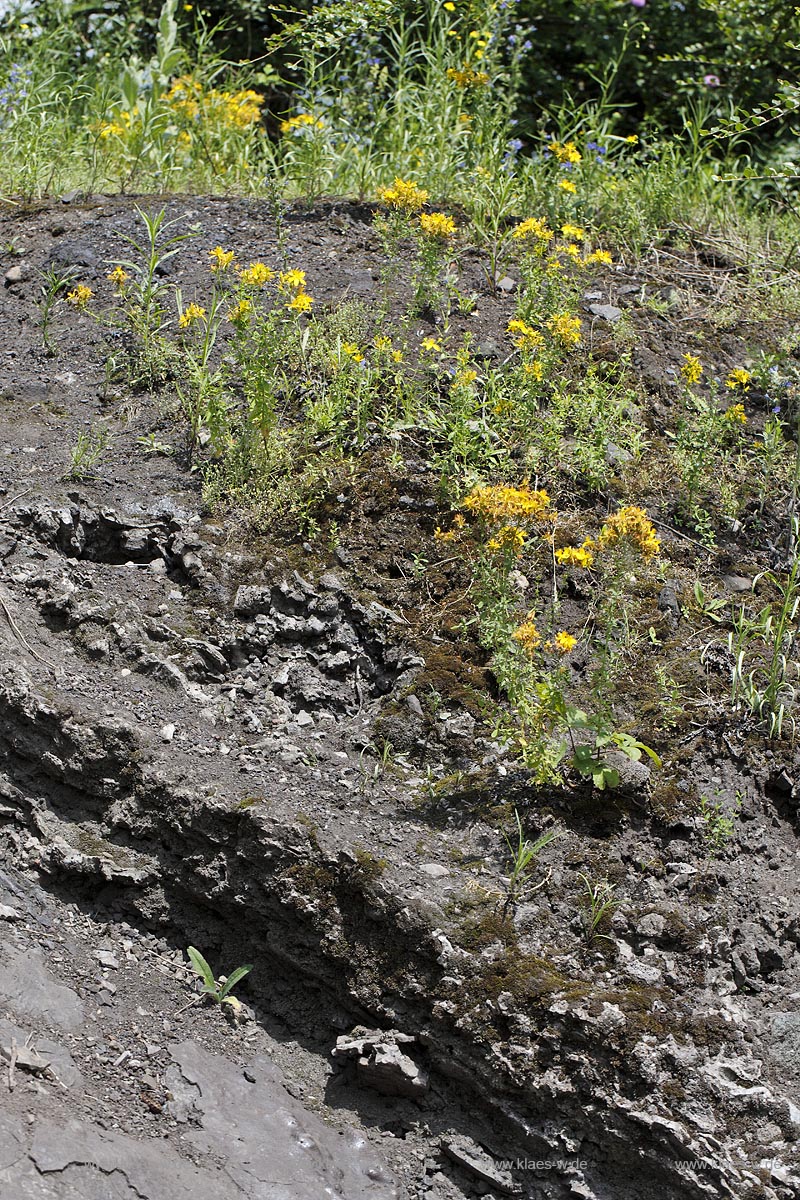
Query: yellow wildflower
{"type": "Point", "coordinates": [509, 539]}
{"type": "Point", "coordinates": [432, 345]}
{"type": "Point", "coordinates": [301, 121]}
{"type": "Point", "coordinates": [576, 556]}
{"type": "Point", "coordinates": [572, 251]}
{"type": "Point", "coordinates": [565, 328]}
{"type": "Point", "coordinates": [403, 195]}
{"type": "Point", "coordinates": [527, 635]}
{"type": "Point", "coordinates": [119, 277]}
{"type": "Point", "coordinates": [465, 378]}
{"type": "Point", "coordinates": [397, 356]}
{"type": "Point", "coordinates": [452, 534]}
{"type": "Point", "coordinates": [256, 275]}
{"type": "Point", "coordinates": [632, 525]}
{"type": "Point", "coordinates": [736, 414]}
{"type": "Point", "coordinates": [503, 502]}
{"type": "Point", "coordinates": [692, 368]}
{"type": "Point", "coordinates": [567, 152]}
{"type": "Point", "coordinates": [633, 139]}
{"type": "Point", "coordinates": [192, 313]}
{"type": "Point", "coordinates": [448, 6]}
{"type": "Point", "coordinates": [220, 259]}
{"type": "Point", "coordinates": [534, 229]}
{"type": "Point", "coordinates": [382, 344]}
{"type": "Point", "coordinates": [535, 370]}
{"type": "Point", "coordinates": [567, 185]}
{"type": "Point", "coordinates": [467, 77]}
{"type": "Point", "coordinates": [565, 642]}
{"type": "Point", "coordinates": [437, 225]}
{"type": "Point", "coordinates": [598, 256]}
{"type": "Point", "coordinates": [80, 296]}
{"type": "Point", "coordinates": [525, 336]}
{"type": "Point", "coordinates": [301, 302]}
{"type": "Point", "coordinates": [111, 129]}
{"type": "Point", "coordinates": [574, 232]}
{"type": "Point", "coordinates": [240, 313]}
{"type": "Point", "coordinates": [350, 350]}
{"type": "Point", "coordinates": [738, 380]}
{"type": "Point", "coordinates": [292, 281]}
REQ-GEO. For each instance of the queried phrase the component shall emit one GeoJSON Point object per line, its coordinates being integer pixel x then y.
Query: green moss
{"type": "Point", "coordinates": [249, 802]}
{"type": "Point", "coordinates": [368, 867]}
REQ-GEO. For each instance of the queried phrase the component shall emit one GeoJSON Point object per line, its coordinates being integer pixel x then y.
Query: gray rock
{"type": "Point", "coordinates": [607, 312]}
{"type": "Point", "coordinates": [269, 1144]}
{"type": "Point", "coordinates": [435, 870]}
{"type": "Point", "coordinates": [472, 1158]}
{"type": "Point", "coordinates": [251, 601]}
{"type": "Point", "coordinates": [106, 959]}
{"type": "Point", "coordinates": [737, 583]}
{"type": "Point", "coordinates": [651, 925]}
{"type": "Point", "coordinates": [380, 1062]}
{"type": "Point", "coordinates": [29, 990]}
{"type": "Point", "coordinates": [617, 455]}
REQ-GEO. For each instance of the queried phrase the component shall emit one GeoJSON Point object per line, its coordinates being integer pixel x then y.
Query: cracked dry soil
{"type": "Point", "coordinates": [186, 716]}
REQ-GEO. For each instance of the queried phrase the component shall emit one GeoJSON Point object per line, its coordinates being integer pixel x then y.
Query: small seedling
{"type": "Point", "coordinates": [219, 990]}
{"type": "Point", "coordinates": [523, 857]}
{"type": "Point", "coordinates": [717, 828]}
{"type": "Point", "coordinates": [87, 452]}
{"type": "Point", "coordinates": [600, 901]}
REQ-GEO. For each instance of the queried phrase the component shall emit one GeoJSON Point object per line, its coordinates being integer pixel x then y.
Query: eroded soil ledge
{"type": "Point", "coordinates": [187, 730]}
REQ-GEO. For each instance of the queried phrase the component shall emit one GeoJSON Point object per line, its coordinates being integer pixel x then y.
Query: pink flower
{"type": "Point", "coordinates": [638, 3]}
{"type": "Point", "coordinates": [711, 81]}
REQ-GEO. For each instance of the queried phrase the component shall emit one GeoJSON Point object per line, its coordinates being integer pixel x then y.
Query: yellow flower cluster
{"type": "Point", "coordinates": [119, 277]}
{"type": "Point", "coordinates": [565, 328]}
{"type": "Point", "coordinates": [301, 121]}
{"type": "Point", "coordinates": [220, 259]}
{"type": "Point", "coordinates": [465, 377]}
{"type": "Point", "coordinates": [577, 556]}
{"type": "Point", "coordinates": [437, 225]}
{"type": "Point", "coordinates": [598, 256]}
{"type": "Point", "coordinates": [632, 525]}
{"type": "Point", "coordinates": [451, 535]}
{"type": "Point", "coordinates": [300, 302]}
{"type": "Point", "coordinates": [403, 195]}
{"type": "Point", "coordinates": [240, 313]}
{"type": "Point", "coordinates": [736, 414]}
{"type": "Point", "coordinates": [568, 186]}
{"type": "Point", "coordinates": [564, 642]}
{"type": "Point", "coordinates": [533, 229]}
{"type": "Point", "coordinates": [509, 539]}
{"type": "Point", "coordinates": [293, 284]}
{"type": "Point", "coordinates": [502, 502]}
{"type": "Point", "coordinates": [80, 296]}
{"type": "Point", "coordinates": [574, 232]}
{"type": "Point", "coordinates": [738, 380]}
{"type": "Point", "coordinates": [535, 370]}
{"type": "Point", "coordinates": [238, 110]}
{"type": "Point", "coordinates": [525, 336]}
{"type": "Point", "coordinates": [692, 369]}
{"type": "Point", "coordinates": [350, 350]}
{"type": "Point", "coordinates": [565, 152]}
{"type": "Point", "coordinates": [292, 281]}
{"type": "Point", "coordinates": [431, 345]}
{"type": "Point", "coordinates": [190, 315]}
{"type": "Point", "coordinates": [467, 77]}
{"type": "Point", "coordinates": [256, 275]}
{"type": "Point", "coordinates": [527, 635]}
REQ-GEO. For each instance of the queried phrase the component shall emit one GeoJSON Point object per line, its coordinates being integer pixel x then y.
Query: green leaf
{"type": "Point", "coordinates": [234, 978]}
{"type": "Point", "coordinates": [201, 968]}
